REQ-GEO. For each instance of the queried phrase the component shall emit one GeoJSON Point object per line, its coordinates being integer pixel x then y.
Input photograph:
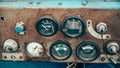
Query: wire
{"type": "Point", "coordinates": [102, 38]}
{"type": "Point", "coordinates": [117, 54]}
{"type": "Point", "coordinates": [103, 43]}
{"type": "Point", "coordinates": [113, 49]}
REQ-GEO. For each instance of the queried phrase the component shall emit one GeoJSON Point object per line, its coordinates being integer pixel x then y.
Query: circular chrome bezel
{"type": "Point", "coordinates": [70, 35]}
{"type": "Point", "coordinates": [60, 42]}
{"type": "Point", "coordinates": [87, 43]}
{"type": "Point", "coordinates": [54, 23]}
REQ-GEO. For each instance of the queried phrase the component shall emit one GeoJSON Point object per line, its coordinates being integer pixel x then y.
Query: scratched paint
{"type": "Point", "coordinates": [97, 4]}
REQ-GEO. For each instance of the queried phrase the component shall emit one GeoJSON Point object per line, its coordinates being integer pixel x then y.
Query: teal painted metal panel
{"type": "Point", "coordinates": [97, 4]}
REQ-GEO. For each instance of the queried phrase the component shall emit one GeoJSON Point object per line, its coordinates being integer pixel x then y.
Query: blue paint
{"type": "Point", "coordinates": [8, 64]}
{"type": "Point", "coordinates": [62, 4]}
{"type": "Point", "coordinates": [18, 29]}
{"type": "Point", "coordinates": [100, 66]}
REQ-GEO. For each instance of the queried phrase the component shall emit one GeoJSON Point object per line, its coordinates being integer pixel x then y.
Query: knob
{"type": "Point", "coordinates": [101, 27]}
{"type": "Point", "coordinates": [10, 45]}
{"type": "Point", "coordinates": [20, 28]}
{"type": "Point", "coordinates": [112, 47]}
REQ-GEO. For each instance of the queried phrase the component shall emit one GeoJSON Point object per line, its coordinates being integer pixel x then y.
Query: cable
{"type": "Point", "coordinates": [103, 42]}
{"type": "Point", "coordinates": [113, 49]}
{"type": "Point", "coordinates": [101, 33]}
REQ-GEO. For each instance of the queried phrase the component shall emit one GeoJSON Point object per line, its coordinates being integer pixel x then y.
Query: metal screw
{"type": "Point", "coordinates": [84, 2]}
{"type": "Point", "coordinates": [38, 2]}
{"type": "Point", "coordinates": [30, 2]}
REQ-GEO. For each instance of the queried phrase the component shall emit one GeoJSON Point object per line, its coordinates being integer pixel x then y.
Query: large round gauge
{"type": "Point", "coordinates": [60, 50]}
{"type": "Point", "coordinates": [34, 49]}
{"type": "Point", "coordinates": [73, 27]}
{"type": "Point", "coordinates": [87, 51]}
{"type": "Point", "coordinates": [47, 26]}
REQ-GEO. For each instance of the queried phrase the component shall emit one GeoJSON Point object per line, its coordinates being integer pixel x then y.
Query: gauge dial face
{"type": "Point", "coordinates": [47, 26]}
{"type": "Point", "coordinates": [10, 45]}
{"type": "Point", "coordinates": [73, 27]}
{"type": "Point", "coordinates": [34, 49]}
{"type": "Point", "coordinates": [112, 44]}
{"type": "Point", "coordinates": [60, 50]}
{"type": "Point", "coordinates": [87, 51]}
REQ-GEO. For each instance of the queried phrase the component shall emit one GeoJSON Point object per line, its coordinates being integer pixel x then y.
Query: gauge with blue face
{"type": "Point", "coordinates": [73, 26]}
{"type": "Point", "coordinates": [47, 26]}
{"type": "Point", "coordinates": [60, 50]}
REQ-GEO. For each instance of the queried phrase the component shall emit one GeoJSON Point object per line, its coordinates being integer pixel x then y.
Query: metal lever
{"type": "Point", "coordinates": [113, 60]}
{"type": "Point", "coordinates": [72, 65]}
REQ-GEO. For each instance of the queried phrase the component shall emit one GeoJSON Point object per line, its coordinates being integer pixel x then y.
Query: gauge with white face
{"type": "Point", "coordinates": [60, 50]}
{"type": "Point", "coordinates": [34, 49]}
{"type": "Point", "coordinates": [73, 27]}
{"type": "Point", "coordinates": [47, 26]}
{"type": "Point", "coordinates": [10, 45]}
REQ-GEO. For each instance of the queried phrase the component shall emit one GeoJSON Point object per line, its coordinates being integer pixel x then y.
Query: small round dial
{"type": "Point", "coordinates": [10, 45]}
{"type": "Point", "coordinates": [60, 50]}
{"type": "Point", "coordinates": [34, 49]}
{"type": "Point", "coordinates": [73, 27]}
{"type": "Point", "coordinates": [112, 46]}
{"type": "Point", "coordinates": [47, 26]}
{"type": "Point", "coordinates": [87, 51]}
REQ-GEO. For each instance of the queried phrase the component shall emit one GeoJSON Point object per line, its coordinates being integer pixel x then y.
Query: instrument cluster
{"type": "Point", "coordinates": [71, 38]}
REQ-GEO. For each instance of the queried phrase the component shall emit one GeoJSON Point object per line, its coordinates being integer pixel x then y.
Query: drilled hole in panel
{"type": "Point", "coordinates": [107, 37]}
{"type": "Point", "coordinates": [5, 57]}
{"type": "Point", "coordinates": [2, 18]}
{"type": "Point", "coordinates": [13, 57]}
{"type": "Point", "coordinates": [102, 58]}
{"type": "Point", "coordinates": [20, 57]}
{"type": "Point", "coordinates": [89, 22]}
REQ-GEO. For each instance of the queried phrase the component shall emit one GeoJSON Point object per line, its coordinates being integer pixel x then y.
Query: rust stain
{"type": "Point", "coordinates": [30, 16]}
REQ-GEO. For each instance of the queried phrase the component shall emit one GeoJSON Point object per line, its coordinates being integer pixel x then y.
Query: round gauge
{"type": "Point", "coordinates": [87, 51]}
{"type": "Point", "coordinates": [10, 45]}
{"type": "Point", "coordinates": [47, 26]}
{"type": "Point", "coordinates": [34, 49]}
{"type": "Point", "coordinates": [73, 27]}
{"type": "Point", "coordinates": [60, 50]}
{"type": "Point", "coordinates": [112, 46]}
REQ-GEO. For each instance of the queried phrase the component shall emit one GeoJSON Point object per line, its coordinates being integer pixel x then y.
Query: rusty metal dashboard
{"type": "Point", "coordinates": [85, 32]}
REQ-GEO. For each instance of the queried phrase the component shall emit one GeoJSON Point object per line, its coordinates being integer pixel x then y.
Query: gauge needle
{"type": "Point", "coordinates": [35, 48]}
{"type": "Point", "coordinates": [57, 51]}
{"type": "Point", "coordinates": [44, 27]}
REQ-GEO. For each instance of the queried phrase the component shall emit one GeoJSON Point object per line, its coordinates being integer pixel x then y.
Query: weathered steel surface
{"type": "Point", "coordinates": [30, 16]}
